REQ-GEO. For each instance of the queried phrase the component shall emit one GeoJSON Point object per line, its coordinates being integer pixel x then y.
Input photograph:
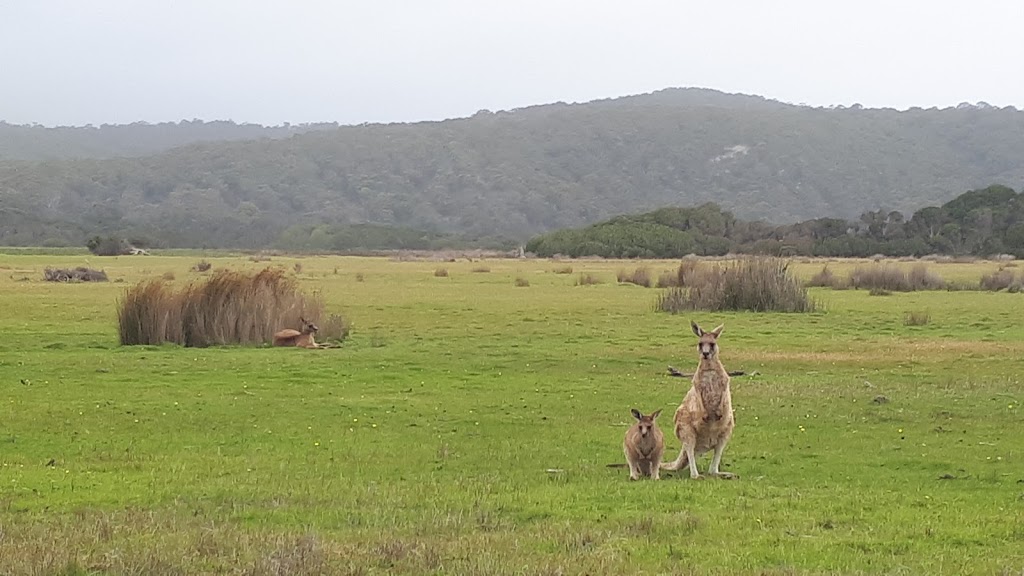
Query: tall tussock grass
{"type": "Point", "coordinates": [756, 284]}
{"type": "Point", "coordinates": [229, 307]}
{"type": "Point", "coordinates": [895, 278]}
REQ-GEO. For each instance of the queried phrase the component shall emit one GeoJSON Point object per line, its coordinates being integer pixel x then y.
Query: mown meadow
{"type": "Point", "coordinates": [466, 424]}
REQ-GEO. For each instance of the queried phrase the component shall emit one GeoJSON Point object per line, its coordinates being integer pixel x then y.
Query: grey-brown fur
{"type": "Point", "coordinates": [300, 339]}
{"type": "Point", "coordinates": [704, 421]}
{"type": "Point", "coordinates": [644, 445]}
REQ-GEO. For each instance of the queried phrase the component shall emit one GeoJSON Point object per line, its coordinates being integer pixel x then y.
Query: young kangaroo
{"type": "Point", "coordinates": [644, 445]}
{"type": "Point", "coordinates": [704, 421]}
{"type": "Point", "coordinates": [303, 339]}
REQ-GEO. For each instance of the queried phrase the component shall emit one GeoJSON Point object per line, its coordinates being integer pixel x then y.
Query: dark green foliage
{"type": "Point", "coordinates": [109, 246]}
{"type": "Point", "coordinates": [525, 172]}
{"type": "Point", "coordinates": [982, 222]}
{"type": "Point", "coordinates": [756, 284]}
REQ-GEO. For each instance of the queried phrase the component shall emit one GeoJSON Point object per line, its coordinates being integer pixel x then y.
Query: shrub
{"type": "Point", "coordinates": [563, 269]}
{"type": "Point", "coordinates": [667, 280]}
{"type": "Point", "coordinates": [202, 266]}
{"type": "Point", "coordinates": [999, 280]}
{"type": "Point", "coordinates": [109, 246]}
{"type": "Point", "coordinates": [916, 318]}
{"type": "Point", "coordinates": [757, 284]}
{"type": "Point", "coordinates": [335, 328]}
{"type": "Point", "coordinates": [480, 269]}
{"type": "Point", "coordinates": [687, 270]}
{"type": "Point", "coordinates": [895, 279]}
{"type": "Point", "coordinates": [824, 278]}
{"type": "Point", "coordinates": [441, 272]}
{"type": "Point", "coordinates": [587, 279]}
{"type": "Point", "coordinates": [80, 274]}
{"type": "Point", "coordinates": [521, 282]}
{"type": "Point", "coordinates": [641, 277]}
{"type": "Point", "coordinates": [227, 308]}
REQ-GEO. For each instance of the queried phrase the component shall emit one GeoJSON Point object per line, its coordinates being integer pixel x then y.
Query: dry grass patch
{"type": "Point", "coordinates": [228, 308]}
{"type": "Point", "coordinates": [756, 284]}
{"type": "Point", "coordinates": [80, 274]}
{"type": "Point", "coordinates": [998, 280]}
{"type": "Point", "coordinates": [641, 277]}
{"type": "Point", "coordinates": [916, 318]}
{"type": "Point", "coordinates": [893, 278]}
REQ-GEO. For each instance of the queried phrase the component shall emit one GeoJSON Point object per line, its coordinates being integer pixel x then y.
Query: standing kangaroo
{"type": "Point", "coordinates": [644, 445]}
{"type": "Point", "coordinates": [303, 339]}
{"type": "Point", "coordinates": [704, 421]}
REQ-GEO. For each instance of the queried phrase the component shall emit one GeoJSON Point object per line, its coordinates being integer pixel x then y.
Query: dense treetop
{"type": "Point", "coordinates": [982, 222]}
{"type": "Point", "coordinates": [505, 175]}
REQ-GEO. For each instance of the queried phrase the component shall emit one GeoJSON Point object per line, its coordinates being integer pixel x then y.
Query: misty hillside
{"type": "Point", "coordinates": [514, 174]}
{"type": "Point", "coordinates": [19, 142]}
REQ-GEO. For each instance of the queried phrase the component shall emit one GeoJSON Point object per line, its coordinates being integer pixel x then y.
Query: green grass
{"type": "Point", "coordinates": [422, 445]}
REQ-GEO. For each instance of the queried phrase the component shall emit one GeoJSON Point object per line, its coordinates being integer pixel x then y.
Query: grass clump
{"type": "Point", "coordinates": [754, 284]}
{"type": "Point", "coordinates": [228, 308]}
{"type": "Point", "coordinates": [80, 274]}
{"type": "Point", "coordinates": [587, 279]}
{"type": "Point", "coordinates": [562, 269]}
{"type": "Point", "coordinates": [480, 269]}
{"type": "Point", "coordinates": [667, 279]}
{"type": "Point", "coordinates": [521, 282]}
{"type": "Point", "coordinates": [895, 279]}
{"type": "Point", "coordinates": [916, 318]}
{"type": "Point", "coordinates": [823, 279]}
{"type": "Point", "coordinates": [441, 273]}
{"type": "Point", "coordinates": [641, 277]}
{"type": "Point", "coordinates": [335, 329]}
{"type": "Point", "coordinates": [999, 280]}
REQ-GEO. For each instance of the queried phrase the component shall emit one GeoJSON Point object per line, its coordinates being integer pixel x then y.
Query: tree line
{"type": "Point", "coordinates": [981, 222]}
{"type": "Point", "coordinates": [500, 177]}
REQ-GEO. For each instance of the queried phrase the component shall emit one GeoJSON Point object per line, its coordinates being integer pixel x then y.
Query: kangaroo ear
{"type": "Point", "coordinates": [636, 413]}
{"type": "Point", "coordinates": [696, 329]}
{"type": "Point", "coordinates": [718, 331]}
{"type": "Point", "coordinates": [655, 414]}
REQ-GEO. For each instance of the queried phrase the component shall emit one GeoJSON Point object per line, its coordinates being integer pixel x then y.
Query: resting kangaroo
{"type": "Point", "coordinates": [704, 421]}
{"type": "Point", "coordinates": [303, 339]}
{"type": "Point", "coordinates": [644, 445]}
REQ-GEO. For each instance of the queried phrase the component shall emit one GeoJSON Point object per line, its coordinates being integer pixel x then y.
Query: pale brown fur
{"type": "Point", "coordinates": [303, 339]}
{"type": "Point", "coordinates": [704, 421]}
{"type": "Point", "coordinates": [643, 446]}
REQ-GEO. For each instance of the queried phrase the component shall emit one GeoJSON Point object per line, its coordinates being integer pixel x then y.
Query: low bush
{"type": "Point", "coordinates": [757, 284]}
{"type": "Point", "coordinates": [227, 308]}
{"type": "Point", "coordinates": [641, 277]}
{"type": "Point", "coordinates": [80, 274]}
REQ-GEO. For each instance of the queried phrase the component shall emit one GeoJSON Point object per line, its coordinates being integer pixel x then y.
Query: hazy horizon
{"type": "Point", "coordinates": [261, 62]}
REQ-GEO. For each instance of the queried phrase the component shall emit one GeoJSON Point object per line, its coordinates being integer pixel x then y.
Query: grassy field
{"type": "Point", "coordinates": [424, 444]}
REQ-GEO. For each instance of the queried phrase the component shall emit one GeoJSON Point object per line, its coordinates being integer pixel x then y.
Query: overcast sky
{"type": "Point", "coordinates": [120, 61]}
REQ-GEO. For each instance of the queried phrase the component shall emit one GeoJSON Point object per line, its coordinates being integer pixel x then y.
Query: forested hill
{"type": "Point", "coordinates": [20, 142]}
{"type": "Point", "coordinates": [522, 172]}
